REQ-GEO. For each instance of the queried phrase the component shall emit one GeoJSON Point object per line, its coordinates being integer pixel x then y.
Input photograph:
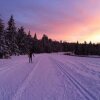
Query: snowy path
{"type": "Point", "coordinates": [86, 94]}
{"type": "Point", "coordinates": [50, 77]}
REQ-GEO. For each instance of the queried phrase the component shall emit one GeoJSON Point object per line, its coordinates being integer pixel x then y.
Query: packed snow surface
{"type": "Point", "coordinates": [50, 77]}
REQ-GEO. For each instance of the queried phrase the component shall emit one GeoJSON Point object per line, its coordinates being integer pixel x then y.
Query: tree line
{"type": "Point", "coordinates": [15, 41]}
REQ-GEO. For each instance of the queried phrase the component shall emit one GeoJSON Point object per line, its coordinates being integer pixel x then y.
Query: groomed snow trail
{"type": "Point", "coordinates": [78, 86]}
{"type": "Point", "coordinates": [50, 77]}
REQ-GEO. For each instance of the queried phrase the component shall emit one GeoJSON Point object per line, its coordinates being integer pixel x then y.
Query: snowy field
{"type": "Point", "coordinates": [50, 77]}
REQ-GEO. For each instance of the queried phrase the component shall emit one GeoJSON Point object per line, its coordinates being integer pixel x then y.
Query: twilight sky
{"type": "Point", "coordinates": [68, 20]}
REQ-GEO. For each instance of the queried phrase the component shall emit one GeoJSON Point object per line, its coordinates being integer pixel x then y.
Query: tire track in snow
{"type": "Point", "coordinates": [82, 89]}
{"type": "Point", "coordinates": [23, 86]}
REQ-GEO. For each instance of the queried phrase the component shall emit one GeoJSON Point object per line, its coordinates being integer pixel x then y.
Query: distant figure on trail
{"type": "Point", "coordinates": [30, 56]}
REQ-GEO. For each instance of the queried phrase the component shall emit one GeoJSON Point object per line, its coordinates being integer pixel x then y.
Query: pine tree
{"type": "Point", "coordinates": [21, 40]}
{"type": "Point", "coordinates": [29, 42]}
{"type": "Point", "coordinates": [12, 36]}
{"type": "Point", "coordinates": [35, 37]}
{"type": "Point", "coordinates": [36, 45]}
{"type": "Point", "coordinates": [46, 42]}
{"type": "Point", "coordinates": [4, 50]}
{"type": "Point", "coordinates": [77, 51]}
{"type": "Point", "coordinates": [84, 48]}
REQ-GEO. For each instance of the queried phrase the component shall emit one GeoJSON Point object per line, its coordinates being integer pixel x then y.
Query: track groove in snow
{"type": "Point", "coordinates": [81, 88]}
{"type": "Point", "coordinates": [84, 68]}
{"type": "Point", "coordinates": [21, 89]}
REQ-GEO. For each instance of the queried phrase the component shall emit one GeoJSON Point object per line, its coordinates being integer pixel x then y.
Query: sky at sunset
{"type": "Point", "coordinates": [67, 20]}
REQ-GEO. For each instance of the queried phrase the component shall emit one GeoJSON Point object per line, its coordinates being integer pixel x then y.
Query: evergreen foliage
{"type": "Point", "coordinates": [15, 41]}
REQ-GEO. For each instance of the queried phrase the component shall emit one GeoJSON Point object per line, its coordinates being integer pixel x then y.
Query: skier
{"type": "Point", "coordinates": [30, 56]}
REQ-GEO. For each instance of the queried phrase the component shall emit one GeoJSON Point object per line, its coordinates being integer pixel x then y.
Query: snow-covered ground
{"type": "Point", "coordinates": [50, 77]}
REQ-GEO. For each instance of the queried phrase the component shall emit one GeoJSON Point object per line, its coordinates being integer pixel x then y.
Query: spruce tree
{"type": "Point", "coordinates": [12, 36]}
{"type": "Point", "coordinates": [46, 43]}
{"type": "Point", "coordinates": [21, 40]}
{"type": "Point", "coordinates": [29, 42]}
{"type": "Point", "coordinates": [4, 49]}
{"type": "Point", "coordinates": [35, 44]}
{"type": "Point", "coordinates": [77, 51]}
{"type": "Point", "coordinates": [35, 37]}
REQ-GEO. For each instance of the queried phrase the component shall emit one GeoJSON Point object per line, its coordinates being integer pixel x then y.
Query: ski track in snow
{"type": "Point", "coordinates": [85, 67]}
{"type": "Point", "coordinates": [81, 89]}
{"type": "Point", "coordinates": [25, 83]}
{"type": "Point", "coordinates": [50, 77]}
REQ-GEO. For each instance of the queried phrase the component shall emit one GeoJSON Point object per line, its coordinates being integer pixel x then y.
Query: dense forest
{"type": "Point", "coordinates": [15, 41]}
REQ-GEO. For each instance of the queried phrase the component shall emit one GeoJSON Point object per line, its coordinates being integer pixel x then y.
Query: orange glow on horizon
{"type": "Point", "coordinates": [88, 31]}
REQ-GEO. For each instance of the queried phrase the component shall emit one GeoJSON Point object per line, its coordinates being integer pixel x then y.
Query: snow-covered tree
{"type": "Point", "coordinates": [35, 44]}
{"type": "Point", "coordinates": [12, 36]}
{"type": "Point", "coordinates": [21, 40]}
{"type": "Point", "coordinates": [29, 41]}
{"type": "Point", "coordinates": [4, 49]}
{"type": "Point", "coordinates": [46, 43]}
